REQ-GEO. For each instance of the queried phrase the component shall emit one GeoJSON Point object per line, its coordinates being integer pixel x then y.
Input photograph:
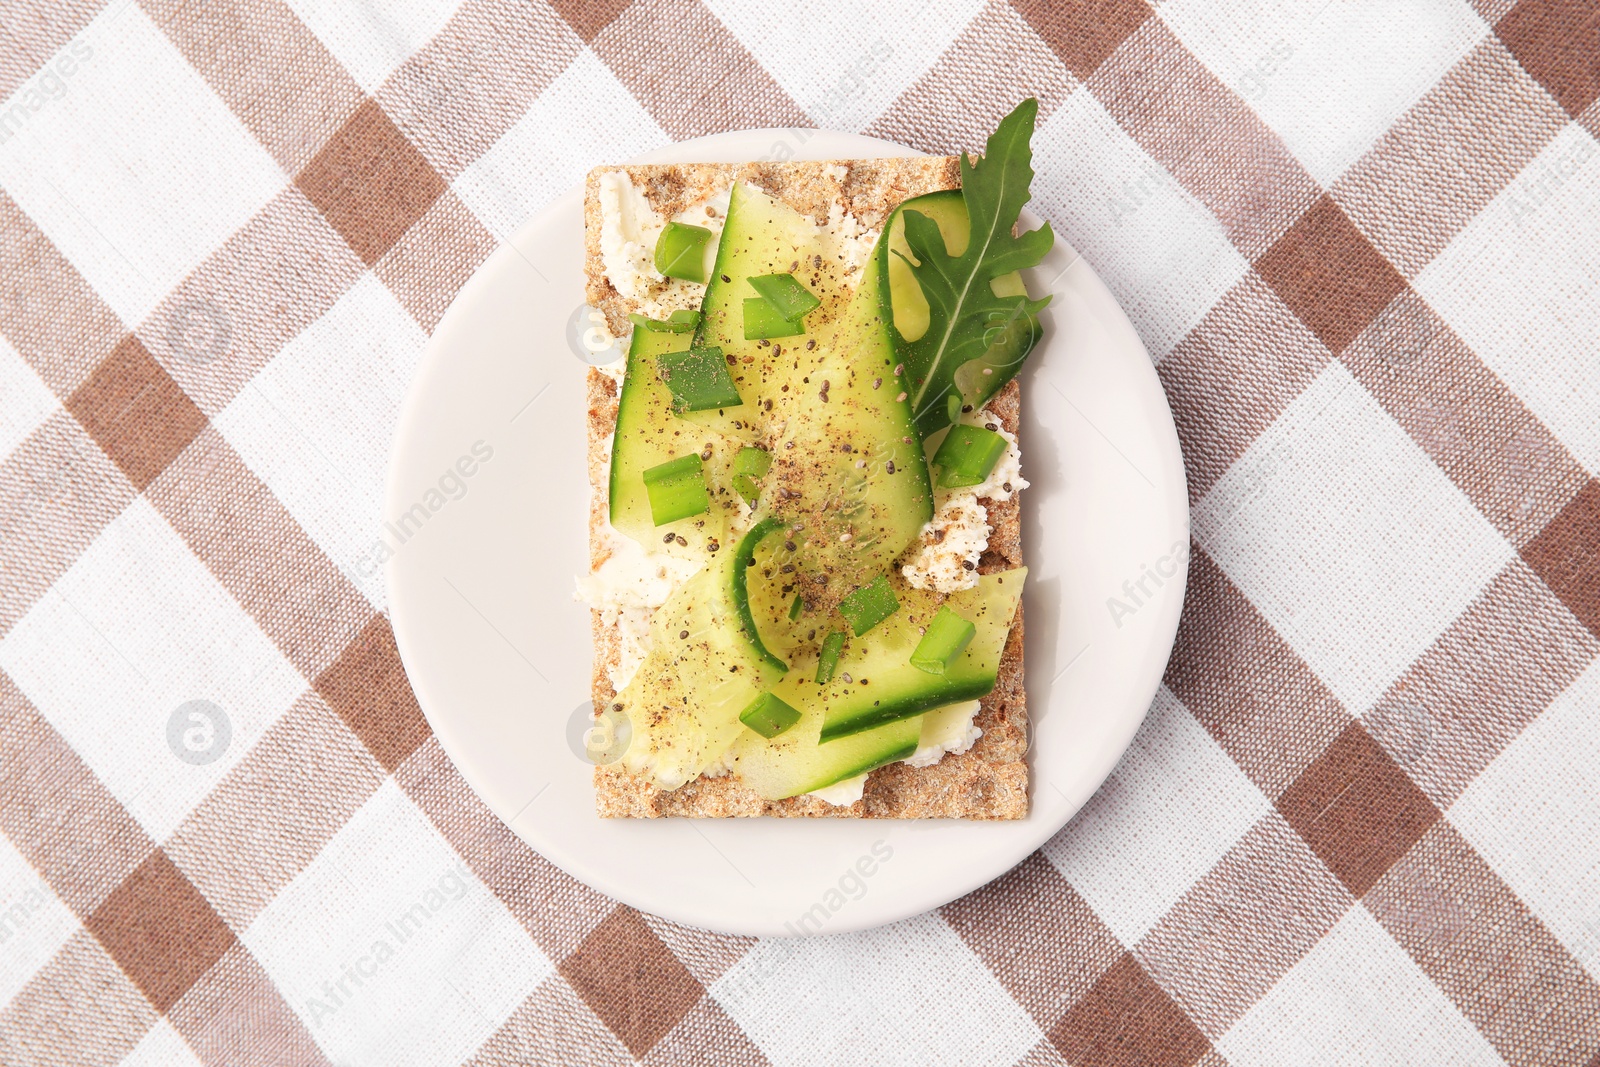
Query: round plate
{"type": "Point", "coordinates": [488, 500]}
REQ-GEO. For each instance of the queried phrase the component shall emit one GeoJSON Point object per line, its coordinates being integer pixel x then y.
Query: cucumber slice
{"type": "Point", "coordinates": [795, 762]}
{"type": "Point", "coordinates": [884, 686]}
{"type": "Point", "coordinates": [648, 434]}
{"type": "Point", "coordinates": [684, 703]}
{"type": "Point", "coordinates": [848, 474]}
{"type": "Point", "coordinates": [762, 237]}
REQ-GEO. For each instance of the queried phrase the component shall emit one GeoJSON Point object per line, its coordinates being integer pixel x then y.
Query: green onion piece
{"type": "Point", "coordinates": [677, 322]}
{"type": "Point", "coordinates": [769, 716]}
{"type": "Point", "coordinates": [828, 660]}
{"type": "Point", "coordinates": [762, 320]}
{"type": "Point", "coordinates": [677, 489]}
{"type": "Point", "coordinates": [681, 252]}
{"type": "Point", "coordinates": [967, 456]}
{"type": "Point", "coordinates": [739, 590]}
{"type": "Point", "coordinates": [698, 379]}
{"type": "Point", "coordinates": [797, 607]}
{"type": "Point", "coordinates": [947, 637]}
{"type": "Point", "coordinates": [788, 297]}
{"type": "Point", "coordinates": [869, 605]}
{"type": "Point", "coordinates": [749, 467]}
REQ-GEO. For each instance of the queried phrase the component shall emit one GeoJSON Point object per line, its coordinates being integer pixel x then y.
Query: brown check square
{"type": "Point", "coordinates": [1083, 32]}
{"type": "Point", "coordinates": [1357, 809]}
{"type": "Point", "coordinates": [1567, 555]}
{"type": "Point", "coordinates": [370, 182]}
{"type": "Point", "coordinates": [1330, 275]}
{"type": "Point", "coordinates": [160, 930]}
{"type": "Point", "coordinates": [1558, 41]}
{"type": "Point", "coordinates": [136, 412]}
{"type": "Point", "coordinates": [367, 687]}
{"type": "Point", "coordinates": [631, 980]}
{"type": "Point", "coordinates": [1127, 1020]}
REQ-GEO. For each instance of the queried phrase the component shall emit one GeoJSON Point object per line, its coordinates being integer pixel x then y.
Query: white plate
{"type": "Point", "coordinates": [497, 649]}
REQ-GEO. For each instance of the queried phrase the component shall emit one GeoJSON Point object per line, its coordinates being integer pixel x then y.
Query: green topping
{"type": "Point", "coordinates": [677, 489]}
{"type": "Point", "coordinates": [797, 607]}
{"type": "Point", "coordinates": [743, 557]}
{"type": "Point", "coordinates": [677, 322]}
{"type": "Point", "coordinates": [967, 456]}
{"type": "Point", "coordinates": [749, 467]}
{"type": "Point", "coordinates": [699, 380]}
{"type": "Point", "coordinates": [788, 297]}
{"type": "Point", "coordinates": [769, 716]}
{"type": "Point", "coordinates": [762, 320]}
{"type": "Point", "coordinates": [869, 605]}
{"type": "Point", "coordinates": [828, 660]}
{"type": "Point", "coordinates": [966, 319]}
{"type": "Point", "coordinates": [947, 637]}
{"type": "Point", "coordinates": [681, 252]}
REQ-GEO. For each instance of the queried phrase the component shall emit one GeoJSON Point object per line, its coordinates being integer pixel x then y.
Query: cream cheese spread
{"type": "Point", "coordinates": [946, 558]}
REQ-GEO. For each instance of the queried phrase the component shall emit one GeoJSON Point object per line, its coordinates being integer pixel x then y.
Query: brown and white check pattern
{"type": "Point", "coordinates": [1361, 239]}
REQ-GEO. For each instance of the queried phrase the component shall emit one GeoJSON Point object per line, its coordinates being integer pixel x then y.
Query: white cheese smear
{"type": "Point", "coordinates": [946, 558]}
{"type": "Point", "coordinates": [626, 590]}
{"type": "Point", "coordinates": [629, 228]}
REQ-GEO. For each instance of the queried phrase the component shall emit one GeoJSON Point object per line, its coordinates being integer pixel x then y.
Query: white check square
{"type": "Point", "coordinates": [1521, 285]}
{"type": "Point", "coordinates": [315, 424]}
{"type": "Point", "coordinates": [1534, 815]}
{"type": "Point", "coordinates": [389, 948]}
{"type": "Point", "coordinates": [25, 401]}
{"type": "Point", "coordinates": [371, 39]}
{"type": "Point", "coordinates": [844, 62]}
{"type": "Point", "coordinates": [584, 118]}
{"type": "Point", "coordinates": [1352, 543]}
{"type": "Point", "coordinates": [1356, 997]}
{"type": "Point", "coordinates": [136, 170]}
{"type": "Point", "coordinates": [149, 668]}
{"type": "Point", "coordinates": [34, 923]}
{"type": "Point", "coordinates": [1328, 76]}
{"type": "Point", "coordinates": [909, 994]}
{"type": "Point", "coordinates": [1170, 811]}
{"type": "Point", "coordinates": [1161, 251]}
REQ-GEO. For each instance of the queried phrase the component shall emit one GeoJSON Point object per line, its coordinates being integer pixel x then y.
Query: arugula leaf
{"type": "Point", "coordinates": [970, 329]}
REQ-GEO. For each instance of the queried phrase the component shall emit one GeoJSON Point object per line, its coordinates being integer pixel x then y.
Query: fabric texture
{"type": "Point", "coordinates": [1361, 240]}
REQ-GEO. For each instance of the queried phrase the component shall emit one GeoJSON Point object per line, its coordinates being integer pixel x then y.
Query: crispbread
{"type": "Point", "coordinates": [990, 780]}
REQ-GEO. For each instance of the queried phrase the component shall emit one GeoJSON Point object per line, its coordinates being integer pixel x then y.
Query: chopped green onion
{"type": "Point", "coordinates": [769, 716]}
{"type": "Point", "coordinates": [677, 322]}
{"type": "Point", "coordinates": [967, 456]}
{"type": "Point", "coordinates": [869, 605]}
{"type": "Point", "coordinates": [681, 252]}
{"type": "Point", "coordinates": [743, 557]}
{"type": "Point", "coordinates": [788, 297]}
{"type": "Point", "coordinates": [761, 320]}
{"type": "Point", "coordinates": [749, 467]}
{"type": "Point", "coordinates": [797, 607]}
{"type": "Point", "coordinates": [828, 660]}
{"type": "Point", "coordinates": [947, 637]}
{"type": "Point", "coordinates": [698, 379]}
{"type": "Point", "coordinates": [677, 489]}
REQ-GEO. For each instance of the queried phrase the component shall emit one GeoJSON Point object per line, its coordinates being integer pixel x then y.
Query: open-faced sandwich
{"type": "Point", "coordinates": [805, 539]}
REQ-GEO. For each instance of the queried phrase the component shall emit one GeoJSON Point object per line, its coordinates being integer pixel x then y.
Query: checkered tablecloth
{"type": "Point", "coordinates": [1361, 239]}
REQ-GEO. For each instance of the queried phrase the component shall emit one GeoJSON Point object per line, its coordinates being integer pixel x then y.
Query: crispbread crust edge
{"type": "Point", "coordinates": [990, 780]}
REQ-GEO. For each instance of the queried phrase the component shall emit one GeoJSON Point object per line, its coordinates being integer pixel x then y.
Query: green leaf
{"type": "Point", "coordinates": [967, 322]}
